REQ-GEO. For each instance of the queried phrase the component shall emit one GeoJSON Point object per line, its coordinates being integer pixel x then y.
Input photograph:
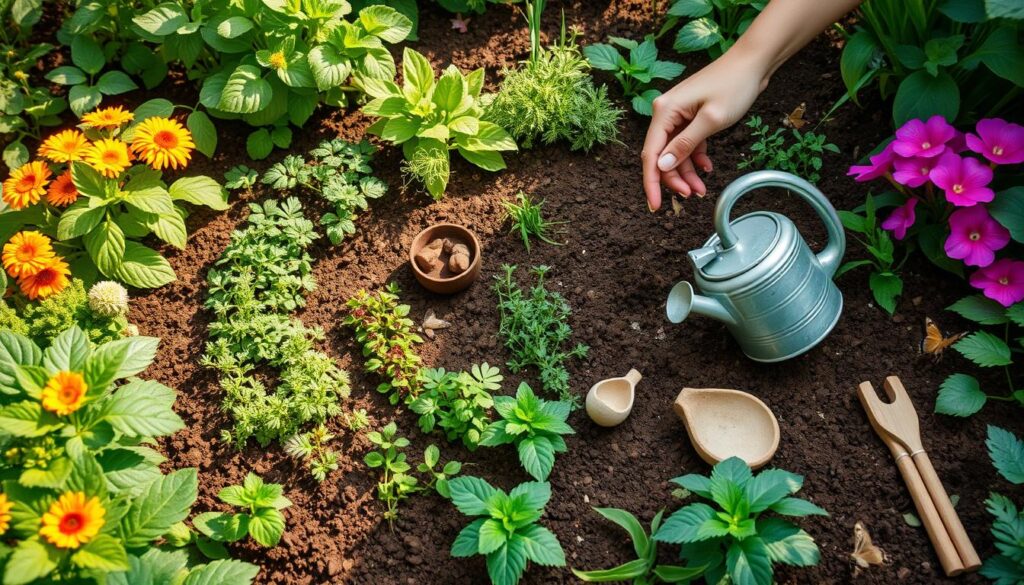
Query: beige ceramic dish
{"type": "Point", "coordinates": [610, 401]}
{"type": "Point", "coordinates": [728, 423]}
{"type": "Point", "coordinates": [442, 281]}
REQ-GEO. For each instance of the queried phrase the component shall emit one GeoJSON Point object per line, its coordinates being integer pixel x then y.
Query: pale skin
{"type": "Point", "coordinates": [718, 95]}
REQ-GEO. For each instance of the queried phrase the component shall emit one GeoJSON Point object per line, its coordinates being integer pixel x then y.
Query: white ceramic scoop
{"type": "Point", "coordinates": [610, 401]}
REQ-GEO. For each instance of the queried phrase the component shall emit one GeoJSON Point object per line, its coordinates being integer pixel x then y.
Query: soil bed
{"type": "Point", "coordinates": [616, 269]}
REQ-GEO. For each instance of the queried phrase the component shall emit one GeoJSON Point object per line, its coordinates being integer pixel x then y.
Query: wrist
{"type": "Point", "coordinates": [745, 55]}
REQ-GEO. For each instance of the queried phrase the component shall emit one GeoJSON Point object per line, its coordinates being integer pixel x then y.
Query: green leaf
{"type": "Point", "coordinates": [417, 74]}
{"type": "Point", "coordinates": [623, 572]}
{"type": "Point", "coordinates": [162, 20]}
{"type": "Point", "coordinates": [859, 54]}
{"type": "Point", "coordinates": [1008, 209]}
{"type": "Point", "coordinates": [1004, 9]}
{"type": "Point", "coordinates": [964, 11]}
{"type": "Point", "coordinates": [52, 476]}
{"type": "Point", "coordinates": [643, 104]}
{"type": "Point", "coordinates": [84, 98]}
{"type": "Point", "coordinates": [535, 494]}
{"type": "Point", "coordinates": [266, 526]}
{"type": "Point", "coordinates": [698, 35]}
{"type": "Point", "coordinates": [449, 91]}
{"type": "Point", "coordinates": [115, 83]}
{"type": "Point", "coordinates": [733, 469]}
{"type": "Point", "coordinates": [666, 70]}
{"type": "Point", "coordinates": [797, 507]}
{"type": "Point", "coordinates": [200, 190]}
{"type": "Point", "coordinates": [399, 130]}
{"type": "Point", "coordinates": [222, 526]}
{"type": "Point", "coordinates": [234, 26]}
{"type": "Point", "coordinates": [259, 144]}
{"type": "Point", "coordinates": [506, 565]}
{"type": "Point", "coordinates": [748, 562]}
{"type": "Point", "coordinates": [87, 55]}
{"type": "Point", "coordinates": [960, 395]}
{"type": "Point", "coordinates": [281, 136]}
{"type": "Point", "coordinates": [222, 572]}
{"type": "Point", "coordinates": [105, 245]}
{"type": "Point", "coordinates": [603, 57]}
{"type": "Point", "coordinates": [684, 524]}
{"type": "Point", "coordinates": [980, 309]}
{"type": "Point", "coordinates": [487, 160]}
{"type": "Point", "coordinates": [330, 68]}
{"type": "Point", "coordinates": [245, 91]}
{"type": "Point", "coordinates": [1007, 453]}
{"type": "Point", "coordinates": [690, 8]}
{"type": "Point", "coordinates": [157, 107]}
{"type": "Point", "coordinates": [492, 536]}
{"type": "Point", "coordinates": [490, 137]}
{"type": "Point", "coordinates": [471, 494]}
{"type": "Point", "coordinates": [922, 95]}
{"type": "Point", "coordinates": [537, 455]}
{"type": "Point", "coordinates": [66, 75]}
{"type": "Point", "coordinates": [886, 287]}
{"type": "Point", "coordinates": [1016, 314]}
{"type": "Point", "coordinates": [29, 561]}
{"type": "Point", "coordinates": [631, 525]}
{"type": "Point", "coordinates": [385, 22]}
{"type": "Point", "coordinates": [162, 504]}
{"type": "Point", "coordinates": [143, 408]}
{"type": "Point", "coordinates": [698, 484]}
{"type": "Point", "coordinates": [297, 72]}
{"type": "Point", "coordinates": [770, 486]}
{"type": "Point", "coordinates": [143, 267]}
{"type": "Point", "coordinates": [542, 546]}
{"type": "Point", "coordinates": [984, 349]}
{"type": "Point", "coordinates": [675, 574]}
{"type": "Point", "coordinates": [467, 542]}
{"type": "Point", "coordinates": [67, 351]}
{"type": "Point", "coordinates": [27, 419]}
{"type": "Point", "coordinates": [15, 155]}
{"type": "Point", "coordinates": [81, 218]}
{"type": "Point", "coordinates": [204, 134]}
{"type": "Point", "coordinates": [787, 544]}
{"type": "Point", "coordinates": [139, 354]}
{"type": "Point", "coordinates": [103, 553]}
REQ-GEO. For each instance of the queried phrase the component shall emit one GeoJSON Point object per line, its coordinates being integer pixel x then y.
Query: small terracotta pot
{"type": "Point", "coordinates": [441, 281]}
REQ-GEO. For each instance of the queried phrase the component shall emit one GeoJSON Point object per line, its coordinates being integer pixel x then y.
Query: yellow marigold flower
{"type": "Point", "coordinates": [27, 253]}
{"type": "Point", "coordinates": [72, 520]}
{"type": "Point", "coordinates": [20, 75]}
{"type": "Point", "coordinates": [64, 393]}
{"type": "Point", "coordinates": [277, 60]}
{"type": "Point", "coordinates": [5, 513]}
{"type": "Point", "coordinates": [163, 143]}
{"type": "Point", "coordinates": [48, 281]}
{"type": "Point", "coordinates": [110, 118]}
{"type": "Point", "coordinates": [64, 146]}
{"type": "Point", "coordinates": [62, 191]}
{"type": "Point", "coordinates": [26, 185]}
{"type": "Point", "coordinates": [109, 156]}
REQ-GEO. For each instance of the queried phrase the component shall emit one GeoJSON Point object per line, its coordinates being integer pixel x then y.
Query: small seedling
{"type": "Point", "coordinates": [457, 402]}
{"type": "Point", "coordinates": [885, 282]}
{"type": "Point", "coordinates": [535, 426]}
{"type": "Point", "coordinates": [240, 177]}
{"type": "Point", "coordinates": [636, 75]}
{"type": "Point", "coordinates": [527, 220]}
{"type": "Point", "coordinates": [311, 448]}
{"type": "Point", "coordinates": [263, 520]}
{"type": "Point", "coordinates": [802, 157]}
{"type": "Point", "coordinates": [396, 483]}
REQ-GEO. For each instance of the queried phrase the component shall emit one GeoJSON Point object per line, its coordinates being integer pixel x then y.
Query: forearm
{"type": "Point", "coordinates": [783, 28]}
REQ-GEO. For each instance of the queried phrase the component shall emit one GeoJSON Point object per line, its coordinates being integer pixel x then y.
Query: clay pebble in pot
{"type": "Point", "coordinates": [429, 257]}
{"type": "Point", "coordinates": [446, 258]}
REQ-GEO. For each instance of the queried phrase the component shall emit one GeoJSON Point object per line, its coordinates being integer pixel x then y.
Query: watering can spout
{"type": "Point", "coordinates": [682, 301]}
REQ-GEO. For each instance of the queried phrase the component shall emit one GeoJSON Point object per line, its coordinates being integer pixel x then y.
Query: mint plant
{"type": "Point", "coordinates": [770, 151]}
{"type": "Point", "coordinates": [430, 118]}
{"type": "Point", "coordinates": [240, 178]}
{"type": "Point", "coordinates": [637, 73]}
{"type": "Point", "coordinates": [396, 482]}
{"type": "Point", "coordinates": [712, 25]}
{"type": "Point", "coordinates": [885, 282]}
{"type": "Point", "coordinates": [527, 220]}
{"type": "Point", "coordinates": [535, 426]}
{"type": "Point", "coordinates": [534, 326]}
{"type": "Point", "coordinates": [457, 402]}
{"type": "Point", "coordinates": [961, 394]}
{"type": "Point", "coordinates": [385, 332]}
{"type": "Point", "coordinates": [1007, 454]}
{"type": "Point", "coordinates": [340, 173]}
{"type": "Point", "coordinates": [507, 534]}
{"type": "Point", "coordinates": [261, 519]}
{"type": "Point", "coordinates": [311, 449]}
{"type": "Point", "coordinates": [734, 537]}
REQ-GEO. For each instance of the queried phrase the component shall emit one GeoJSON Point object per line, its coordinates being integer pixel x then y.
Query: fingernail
{"type": "Point", "coordinates": [667, 162]}
{"type": "Point", "coordinates": [649, 208]}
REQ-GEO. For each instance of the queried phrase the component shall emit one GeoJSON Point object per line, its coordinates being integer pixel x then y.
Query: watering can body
{"type": "Point", "coordinates": [760, 278]}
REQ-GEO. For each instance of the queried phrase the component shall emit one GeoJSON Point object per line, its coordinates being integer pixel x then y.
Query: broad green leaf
{"type": "Point", "coordinates": [222, 572]}
{"type": "Point", "coordinates": [15, 350]}
{"type": "Point", "coordinates": [297, 72]}
{"type": "Point", "coordinates": [87, 54]}
{"type": "Point", "coordinates": [770, 486]}
{"type": "Point", "coordinates": [84, 98]}
{"type": "Point", "coordinates": [330, 68]}
{"type": "Point", "coordinates": [683, 525]}
{"type": "Point", "coordinates": [399, 130]}
{"type": "Point", "coordinates": [266, 526]}
{"type": "Point", "coordinates": [103, 553]}
{"type": "Point", "coordinates": [143, 267]}
{"type": "Point", "coordinates": [748, 562]}
{"type": "Point", "coordinates": [157, 107]}
{"type": "Point", "coordinates": [859, 54]}
{"type": "Point", "coordinates": [984, 349]}
{"type": "Point", "coordinates": [922, 95]}
{"type": "Point", "coordinates": [537, 455]}
{"type": "Point", "coordinates": [666, 70]}
{"type": "Point", "coordinates": [733, 469]}
{"type": "Point", "coordinates": [162, 20]}
{"type": "Point", "coordinates": [690, 8]}
{"type": "Point", "coordinates": [139, 354]}
{"type": "Point", "coordinates": [245, 91]}
{"type": "Point", "coordinates": [787, 544]}
{"type": "Point", "coordinates": [67, 351]}
{"type": "Point", "coordinates": [980, 309]}
{"type": "Point", "coordinates": [200, 190]}
{"type": "Point", "coordinates": [81, 218]}
{"type": "Point", "coordinates": [1016, 314]}
{"type": "Point", "coordinates": [29, 561]}
{"type": "Point", "coordinates": [698, 35]}
{"type": "Point", "coordinates": [153, 568]}
{"type": "Point", "coordinates": [964, 11]}
{"type": "Point", "coordinates": [960, 395]}
{"type": "Point", "coordinates": [115, 83]}
{"type": "Point", "coordinates": [127, 470]}
{"type": "Point", "coordinates": [234, 26]}
{"type": "Point", "coordinates": [66, 75]}
{"type": "Point", "coordinates": [1008, 209]}
{"type": "Point", "coordinates": [15, 154]}
{"type": "Point", "coordinates": [27, 419]}
{"type": "Point", "coordinates": [281, 136]}
{"type": "Point", "coordinates": [105, 245]}
{"type": "Point", "coordinates": [676, 574]}
{"type": "Point", "coordinates": [449, 91]}
{"type": "Point", "coordinates": [536, 494]}
{"type": "Point", "coordinates": [492, 536]}
{"type": "Point", "coordinates": [1004, 9]}
{"type": "Point", "coordinates": [417, 74]}
{"type": "Point", "coordinates": [142, 408]}
{"type": "Point", "coordinates": [490, 137]}
{"type": "Point", "coordinates": [631, 525]}
{"type": "Point", "coordinates": [487, 160]}
{"type": "Point", "coordinates": [222, 526]}
{"type": "Point", "coordinates": [797, 507]}
{"type": "Point", "coordinates": [542, 546]}
{"type": "Point", "coordinates": [886, 287]}
{"type": "Point", "coordinates": [698, 484]}
{"type": "Point", "coordinates": [624, 572]}
{"type": "Point", "coordinates": [163, 503]}
{"type": "Point", "coordinates": [259, 144]}
{"type": "Point", "coordinates": [204, 134]}
{"type": "Point", "coordinates": [52, 476]}
{"type": "Point", "coordinates": [471, 494]}
{"type": "Point", "coordinates": [385, 22]}
{"type": "Point", "coordinates": [643, 104]}
{"type": "Point", "coordinates": [467, 542]}
{"type": "Point", "coordinates": [603, 57]}
{"type": "Point", "coordinates": [1007, 453]}
{"type": "Point", "coordinates": [506, 565]}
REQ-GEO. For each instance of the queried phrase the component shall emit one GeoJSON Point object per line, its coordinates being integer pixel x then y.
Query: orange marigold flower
{"type": "Point", "coordinates": [62, 191]}
{"type": "Point", "coordinates": [162, 143]}
{"type": "Point", "coordinates": [64, 393]}
{"type": "Point", "coordinates": [5, 513]}
{"type": "Point", "coordinates": [109, 156]}
{"type": "Point", "coordinates": [72, 520]}
{"type": "Point", "coordinates": [48, 281]}
{"type": "Point", "coordinates": [108, 118]}
{"type": "Point", "coordinates": [26, 185]}
{"type": "Point", "coordinates": [65, 146]}
{"type": "Point", "coordinates": [27, 253]}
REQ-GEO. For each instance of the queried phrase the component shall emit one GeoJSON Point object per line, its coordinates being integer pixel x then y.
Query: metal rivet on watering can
{"type": "Point", "coordinates": [760, 278]}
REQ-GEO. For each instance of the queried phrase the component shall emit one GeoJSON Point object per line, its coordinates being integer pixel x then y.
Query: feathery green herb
{"type": "Point", "coordinates": [770, 151]}
{"type": "Point", "coordinates": [527, 220]}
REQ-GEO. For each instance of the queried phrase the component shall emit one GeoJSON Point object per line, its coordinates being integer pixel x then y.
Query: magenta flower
{"type": "Point", "coordinates": [974, 236]}
{"type": "Point", "coordinates": [999, 141]}
{"type": "Point", "coordinates": [913, 172]}
{"type": "Point", "coordinates": [880, 165]}
{"type": "Point", "coordinates": [1002, 281]}
{"type": "Point", "coordinates": [924, 139]}
{"type": "Point", "coordinates": [901, 218]}
{"type": "Point", "coordinates": [964, 179]}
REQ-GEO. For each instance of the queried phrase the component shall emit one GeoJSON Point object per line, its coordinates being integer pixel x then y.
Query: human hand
{"type": "Point", "coordinates": [684, 117]}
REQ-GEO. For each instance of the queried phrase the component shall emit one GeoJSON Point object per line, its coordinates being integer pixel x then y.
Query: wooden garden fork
{"type": "Point", "coordinates": [897, 424]}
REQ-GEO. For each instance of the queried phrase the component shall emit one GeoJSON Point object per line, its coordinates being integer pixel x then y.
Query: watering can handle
{"type": "Point", "coordinates": [830, 257]}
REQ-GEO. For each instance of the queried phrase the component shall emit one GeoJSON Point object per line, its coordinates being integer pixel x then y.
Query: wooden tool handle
{"type": "Point", "coordinates": [930, 518]}
{"type": "Point", "coordinates": [950, 519]}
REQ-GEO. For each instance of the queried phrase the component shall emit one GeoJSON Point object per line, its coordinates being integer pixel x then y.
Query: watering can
{"type": "Point", "coordinates": [761, 279]}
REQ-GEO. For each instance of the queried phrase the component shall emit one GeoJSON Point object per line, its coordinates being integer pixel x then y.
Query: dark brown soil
{"type": "Point", "coordinates": [616, 268]}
